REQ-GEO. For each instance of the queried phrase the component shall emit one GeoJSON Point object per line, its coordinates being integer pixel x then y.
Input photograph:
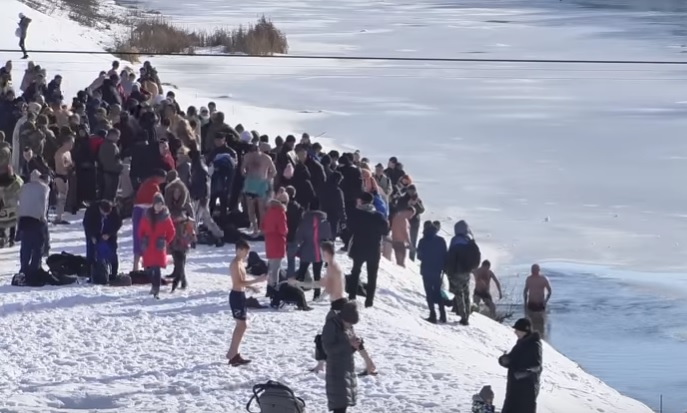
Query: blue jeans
{"type": "Point", "coordinates": [291, 250]}
{"type": "Point", "coordinates": [156, 278]}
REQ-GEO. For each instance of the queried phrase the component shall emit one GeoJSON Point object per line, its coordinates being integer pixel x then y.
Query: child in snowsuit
{"type": "Point", "coordinates": [483, 402]}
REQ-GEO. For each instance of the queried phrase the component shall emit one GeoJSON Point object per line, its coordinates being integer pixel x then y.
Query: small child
{"type": "Point", "coordinates": [483, 402]}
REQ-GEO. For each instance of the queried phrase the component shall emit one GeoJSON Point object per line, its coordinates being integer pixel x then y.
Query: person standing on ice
{"type": "Point", "coordinates": [275, 229]}
{"type": "Point", "coordinates": [237, 300]}
{"type": "Point", "coordinates": [463, 257]}
{"type": "Point", "coordinates": [155, 232]}
{"type": "Point", "coordinates": [22, 32]}
{"type": "Point", "coordinates": [431, 251]}
{"type": "Point", "coordinates": [524, 364]}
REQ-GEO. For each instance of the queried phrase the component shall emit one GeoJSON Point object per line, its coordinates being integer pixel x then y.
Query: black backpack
{"type": "Point", "coordinates": [66, 264]}
{"type": "Point", "coordinates": [274, 397]}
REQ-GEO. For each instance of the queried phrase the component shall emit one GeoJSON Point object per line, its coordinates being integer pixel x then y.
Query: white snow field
{"type": "Point", "coordinates": [80, 348]}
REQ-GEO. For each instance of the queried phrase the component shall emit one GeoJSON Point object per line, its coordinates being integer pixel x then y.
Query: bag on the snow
{"type": "Point", "coordinates": [255, 265]}
{"type": "Point", "coordinates": [36, 278]}
{"type": "Point", "coordinates": [361, 287]}
{"type": "Point", "coordinates": [121, 280]}
{"type": "Point", "coordinates": [287, 294]}
{"type": "Point", "coordinates": [66, 264]}
{"type": "Point", "coordinates": [143, 277]}
{"type": "Point", "coordinates": [275, 397]}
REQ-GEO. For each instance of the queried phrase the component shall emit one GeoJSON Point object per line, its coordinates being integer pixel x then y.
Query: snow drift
{"type": "Point", "coordinates": [85, 347]}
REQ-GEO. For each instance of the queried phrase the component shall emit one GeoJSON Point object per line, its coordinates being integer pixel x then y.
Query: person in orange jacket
{"type": "Point", "coordinates": [155, 233]}
{"type": "Point", "coordinates": [275, 229]}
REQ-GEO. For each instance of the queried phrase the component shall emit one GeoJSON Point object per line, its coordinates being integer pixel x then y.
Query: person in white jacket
{"type": "Point", "coordinates": [34, 108]}
{"type": "Point", "coordinates": [32, 212]}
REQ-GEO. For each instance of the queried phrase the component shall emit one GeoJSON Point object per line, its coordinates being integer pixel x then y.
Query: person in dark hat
{"type": "Point", "coordinates": [340, 344]}
{"type": "Point", "coordinates": [524, 364]}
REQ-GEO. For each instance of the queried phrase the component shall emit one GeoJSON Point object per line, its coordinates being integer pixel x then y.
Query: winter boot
{"type": "Point", "coordinates": [442, 314]}
{"type": "Point", "coordinates": [432, 317]}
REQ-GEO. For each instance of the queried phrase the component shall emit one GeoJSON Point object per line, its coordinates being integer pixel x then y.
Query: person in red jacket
{"type": "Point", "coordinates": [155, 233]}
{"type": "Point", "coordinates": [275, 229]}
{"type": "Point", "coordinates": [142, 202]}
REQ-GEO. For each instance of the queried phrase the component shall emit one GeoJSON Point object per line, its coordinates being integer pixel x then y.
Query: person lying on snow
{"type": "Point", "coordinates": [101, 223]}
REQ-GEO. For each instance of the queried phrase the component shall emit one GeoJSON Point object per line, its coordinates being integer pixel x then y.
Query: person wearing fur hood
{"type": "Point", "coordinates": [178, 202]}
{"type": "Point", "coordinates": [156, 232]}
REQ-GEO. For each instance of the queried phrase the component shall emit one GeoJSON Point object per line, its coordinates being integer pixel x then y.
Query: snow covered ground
{"type": "Point", "coordinates": [521, 144]}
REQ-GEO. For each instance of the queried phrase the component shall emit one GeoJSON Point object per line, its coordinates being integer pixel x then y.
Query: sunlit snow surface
{"type": "Point", "coordinates": [547, 162]}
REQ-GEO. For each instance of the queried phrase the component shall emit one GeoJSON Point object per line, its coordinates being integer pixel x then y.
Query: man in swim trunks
{"type": "Point", "coordinates": [483, 276]}
{"type": "Point", "coordinates": [237, 300]}
{"type": "Point", "coordinates": [259, 172]}
{"type": "Point", "coordinates": [536, 296]}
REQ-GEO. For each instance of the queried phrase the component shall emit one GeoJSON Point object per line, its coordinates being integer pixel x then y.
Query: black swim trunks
{"type": "Point", "coordinates": [536, 307]}
{"type": "Point", "coordinates": [237, 302]}
{"type": "Point", "coordinates": [484, 295]}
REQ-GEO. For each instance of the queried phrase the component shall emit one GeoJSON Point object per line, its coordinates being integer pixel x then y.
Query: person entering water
{"type": "Point", "coordinates": [536, 297]}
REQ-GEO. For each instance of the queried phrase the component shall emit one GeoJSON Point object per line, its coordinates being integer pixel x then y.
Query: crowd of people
{"type": "Point", "coordinates": [124, 149]}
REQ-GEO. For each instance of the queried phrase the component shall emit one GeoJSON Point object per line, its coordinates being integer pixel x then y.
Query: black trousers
{"type": "Point", "coordinates": [372, 264]}
{"type": "Point", "coordinates": [341, 410]}
{"type": "Point", "coordinates": [179, 272]}
{"type": "Point", "coordinates": [22, 45]}
{"type": "Point", "coordinates": [316, 273]}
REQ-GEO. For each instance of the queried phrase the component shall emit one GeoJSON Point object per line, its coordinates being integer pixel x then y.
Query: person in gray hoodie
{"type": "Point", "coordinates": [340, 344]}
{"type": "Point", "coordinates": [32, 212]}
{"type": "Point", "coordinates": [313, 229]}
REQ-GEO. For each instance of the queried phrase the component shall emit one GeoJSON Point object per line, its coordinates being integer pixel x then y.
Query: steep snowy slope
{"type": "Point", "coordinates": [81, 348]}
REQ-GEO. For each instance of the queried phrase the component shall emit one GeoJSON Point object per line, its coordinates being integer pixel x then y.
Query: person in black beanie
{"type": "Point", "coordinates": [340, 344]}
{"type": "Point", "coordinates": [524, 364]}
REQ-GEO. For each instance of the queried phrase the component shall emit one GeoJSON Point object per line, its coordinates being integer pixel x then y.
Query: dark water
{"type": "Point", "coordinates": [634, 339]}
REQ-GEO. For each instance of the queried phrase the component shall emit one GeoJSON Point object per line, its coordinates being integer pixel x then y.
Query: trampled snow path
{"type": "Point", "coordinates": [116, 349]}
{"type": "Point", "coordinates": [81, 348]}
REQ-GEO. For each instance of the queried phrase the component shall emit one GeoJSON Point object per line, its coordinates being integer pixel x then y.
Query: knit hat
{"type": "Point", "coordinates": [34, 107]}
{"type": "Point", "coordinates": [172, 175]}
{"type": "Point", "coordinates": [349, 312]}
{"type": "Point", "coordinates": [487, 394]}
{"type": "Point", "coordinates": [246, 136]}
{"type": "Point", "coordinates": [524, 325]}
{"type": "Point", "coordinates": [158, 199]}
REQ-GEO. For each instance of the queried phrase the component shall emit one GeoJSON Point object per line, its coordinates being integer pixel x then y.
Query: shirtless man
{"type": "Point", "coordinates": [237, 300]}
{"type": "Point", "coordinates": [63, 168]}
{"type": "Point", "coordinates": [483, 276]}
{"type": "Point", "coordinates": [536, 296]}
{"type": "Point", "coordinates": [259, 171]}
{"type": "Point", "coordinates": [333, 284]}
{"type": "Point", "coordinates": [400, 234]}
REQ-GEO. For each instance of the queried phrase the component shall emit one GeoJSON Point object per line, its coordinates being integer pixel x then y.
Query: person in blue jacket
{"type": "Point", "coordinates": [101, 223]}
{"type": "Point", "coordinates": [431, 251]}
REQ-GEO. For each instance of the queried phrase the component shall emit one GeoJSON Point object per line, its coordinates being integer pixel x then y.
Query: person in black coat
{"type": "Point", "coordinates": [524, 364]}
{"type": "Point", "coordinates": [109, 90]}
{"type": "Point", "coordinates": [294, 215]}
{"type": "Point", "coordinates": [332, 202]}
{"type": "Point", "coordinates": [305, 192]}
{"type": "Point", "coordinates": [367, 228]}
{"type": "Point", "coordinates": [101, 222]}
{"type": "Point", "coordinates": [352, 187]}
{"type": "Point", "coordinates": [315, 169]}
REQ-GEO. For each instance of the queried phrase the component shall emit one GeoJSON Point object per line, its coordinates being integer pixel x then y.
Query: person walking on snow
{"type": "Point", "coordinates": [155, 233]}
{"type": "Point", "coordinates": [483, 276]}
{"type": "Point", "coordinates": [431, 251]}
{"type": "Point", "coordinates": [21, 33]}
{"type": "Point", "coordinates": [463, 257]}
